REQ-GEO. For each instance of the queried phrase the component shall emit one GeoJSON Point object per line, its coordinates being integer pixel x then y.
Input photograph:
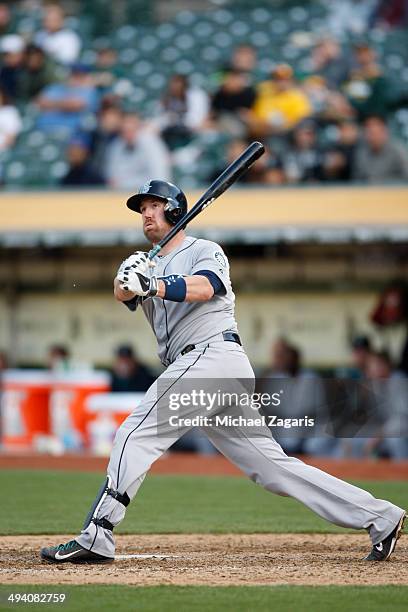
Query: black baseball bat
{"type": "Point", "coordinates": [230, 175]}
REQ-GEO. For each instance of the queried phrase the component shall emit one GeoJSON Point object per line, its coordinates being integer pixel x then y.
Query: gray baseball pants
{"type": "Point", "coordinates": [138, 444]}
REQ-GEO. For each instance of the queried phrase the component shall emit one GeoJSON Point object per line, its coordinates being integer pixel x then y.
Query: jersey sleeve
{"type": "Point", "coordinates": [210, 256]}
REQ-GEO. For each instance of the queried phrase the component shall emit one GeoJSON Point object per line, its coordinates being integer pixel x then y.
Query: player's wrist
{"type": "Point", "coordinates": [161, 288]}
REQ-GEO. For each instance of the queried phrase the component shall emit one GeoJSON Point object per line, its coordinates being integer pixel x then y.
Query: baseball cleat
{"type": "Point", "coordinates": [72, 552]}
{"type": "Point", "coordinates": [383, 550]}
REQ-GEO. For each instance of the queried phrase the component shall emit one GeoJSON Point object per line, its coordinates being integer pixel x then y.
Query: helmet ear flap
{"type": "Point", "coordinates": [174, 210]}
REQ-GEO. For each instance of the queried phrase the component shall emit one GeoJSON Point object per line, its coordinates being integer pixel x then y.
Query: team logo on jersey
{"type": "Point", "coordinates": [221, 259]}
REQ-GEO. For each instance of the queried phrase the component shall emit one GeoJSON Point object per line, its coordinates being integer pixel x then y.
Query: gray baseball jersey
{"type": "Point", "coordinates": [176, 324]}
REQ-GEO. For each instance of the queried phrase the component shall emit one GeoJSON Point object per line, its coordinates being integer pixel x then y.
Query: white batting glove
{"type": "Point", "coordinates": [138, 261]}
{"type": "Point", "coordinates": [141, 284]}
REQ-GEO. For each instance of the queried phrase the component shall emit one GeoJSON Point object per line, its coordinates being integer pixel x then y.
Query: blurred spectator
{"type": "Point", "coordinates": [390, 390]}
{"type": "Point", "coordinates": [6, 24]}
{"type": "Point", "coordinates": [61, 43]}
{"type": "Point", "coordinates": [360, 356]}
{"type": "Point", "coordinates": [194, 441]}
{"type": "Point", "coordinates": [10, 122]}
{"type": "Point", "coordinates": [302, 161]}
{"type": "Point", "coordinates": [81, 172]}
{"type": "Point", "coordinates": [243, 60]}
{"type": "Point", "coordinates": [328, 105]}
{"type": "Point", "coordinates": [12, 49]}
{"type": "Point", "coordinates": [37, 71]}
{"type": "Point", "coordinates": [268, 170]}
{"type": "Point", "coordinates": [403, 364]}
{"type": "Point", "coordinates": [390, 14]}
{"type": "Point", "coordinates": [280, 104]}
{"type": "Point", "coordinates": [58, 359]}
{"type": "Point", "coordinates": [107, 70]}
{"type": "Point", "coordinates": [107, 129]}
{"type": "Point", "coordinates": [10, 125]}
{"type": "Point", "coordinates": [315, 87]}
{"type": "Point", "coordinates": [338, 157]}
{"type": "Point", "coordinates": [229, 101]}
{"type": "Point", "coordinates": [379, 158]}
{"type": "Point", "coordinates": [182, 111]}
{"type": "Point", "coordinates": [375, 417]}
{"type": "Point", "coordinates": [303, 396]}
{"type": "Point", "coordinates": [63, 106]}
{"type": "Point", "coordinates": [367, 89]}
{"type": "Point", "coordinates": [129, 373]}
{"type": "Point", "coordinates": [349, 17]}
{"type": "Point", "coordinates": [330, 62]}
{"type": "Point", "coordinates": [136, 154]}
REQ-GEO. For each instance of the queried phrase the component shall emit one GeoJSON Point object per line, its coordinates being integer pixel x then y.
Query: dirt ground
{"type": "Point", "coordinates": [235, 559]}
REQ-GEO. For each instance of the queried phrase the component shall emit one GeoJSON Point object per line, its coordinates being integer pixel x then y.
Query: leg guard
{"type": "Point", "coordinates": [103, 492]}
{"type": "Point", "coordinates": [107, 511]}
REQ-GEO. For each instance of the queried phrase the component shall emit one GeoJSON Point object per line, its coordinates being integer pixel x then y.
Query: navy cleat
{"type": "Point", "coordinates": [72, 552]}
{"type": "Point", "coordinates": [383, 550]}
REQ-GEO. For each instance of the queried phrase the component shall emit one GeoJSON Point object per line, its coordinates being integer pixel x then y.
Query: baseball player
{"type": "Point", "coordinates": [189, 303]}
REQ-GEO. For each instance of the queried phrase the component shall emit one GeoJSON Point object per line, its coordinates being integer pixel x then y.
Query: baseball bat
{"type": "Point", "coordinates": [230, 175]}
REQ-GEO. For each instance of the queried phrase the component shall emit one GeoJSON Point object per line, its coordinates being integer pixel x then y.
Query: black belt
{"type": "Point", "coordinates": [227, 335]}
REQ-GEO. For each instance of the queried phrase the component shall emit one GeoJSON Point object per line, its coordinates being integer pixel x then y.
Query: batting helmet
{"type": "Point", "coordinates": [175, 201]}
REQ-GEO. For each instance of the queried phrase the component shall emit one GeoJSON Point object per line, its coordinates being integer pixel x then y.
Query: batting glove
{"type": "Point", "coordinates": [138, 283]}
{"type": "Point", "coordinates": [138, 261]}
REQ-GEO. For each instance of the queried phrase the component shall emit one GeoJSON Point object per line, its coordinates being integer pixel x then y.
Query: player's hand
{"type": "Point", "coordinates": [138, 261]}
{"type": "Point", "coordinates": [138, 283]}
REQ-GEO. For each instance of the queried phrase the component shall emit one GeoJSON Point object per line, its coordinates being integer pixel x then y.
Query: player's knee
{"type": "Point", "coordinates": [271, 482]}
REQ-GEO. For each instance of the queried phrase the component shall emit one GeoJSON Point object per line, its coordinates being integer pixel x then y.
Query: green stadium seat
{"type": "Point", "coordinates": [142, 68]}
{"type": "Point", "coordinates": [260, 15]}
{"type": "Point", "coordinates": [49, 153]}
{"type": "Point", "coordinates": [58, 170]}
{"type": "Point", "coordinates": [299, 15]}
{"type": "Point", "coordinates": [128, 56]}
{"type": "Point", "coordinates": [157, 82]}
{"type": "Point", "coordinates": [126, 33]}
{"type": "Point", "coordinates": [185, 18]}
{"type": "Point", "coordinates": [203, 29]}
{"type": "Point", "coordinates": [260, 39]}
{"type": "Point", "coordinates": [14, 172]}
{"type": "Point", "coordinates": [278, 26]}
{"type": "Point", "coordinates": [170, 54]}
{"type": "Point", "coordinates": [185, 42]}
{"type": "Point", "coordinates": [239, 29]}
{"type": "Point", "coordinates": [211, 54]}
{"type": "Point", "coordinates": [222, 17]}
{"type": "Point", "coordinates": [148, 44]}
{"type": "Point", "coordinates": [166, 31]}
{"type": "Point", "coordinates": [35, 139]}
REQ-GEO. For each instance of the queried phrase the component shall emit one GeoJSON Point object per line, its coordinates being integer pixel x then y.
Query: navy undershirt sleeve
{"type": "Point", "coordinates": [132, 303]}
{"type": "Point", "coordinates": [216, 283]}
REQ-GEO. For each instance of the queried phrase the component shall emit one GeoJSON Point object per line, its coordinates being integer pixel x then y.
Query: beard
{"type": "Point", "coordinates": [154, 234]}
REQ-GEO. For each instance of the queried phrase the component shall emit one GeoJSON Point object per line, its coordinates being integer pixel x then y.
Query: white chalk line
{"type": "Point", "coordinates": [121, 557]}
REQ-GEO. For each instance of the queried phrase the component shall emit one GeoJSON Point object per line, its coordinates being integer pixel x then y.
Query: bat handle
{"type": "Point", "coordinates": [154, 251]}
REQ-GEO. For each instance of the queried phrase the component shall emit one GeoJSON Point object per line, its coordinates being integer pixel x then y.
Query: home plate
{"type": "Point", "coordinates": [120, 557]}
